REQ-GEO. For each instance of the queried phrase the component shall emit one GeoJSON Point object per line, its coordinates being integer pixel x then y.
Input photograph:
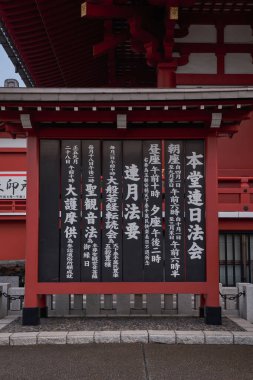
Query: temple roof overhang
{"type": "Point", "coordinates": [116, 42]}
{"type": "Point", "coordinates": [25, 110]}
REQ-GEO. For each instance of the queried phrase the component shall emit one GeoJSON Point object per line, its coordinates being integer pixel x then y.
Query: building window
{"type": "Point", "coordinates": [236, 258]}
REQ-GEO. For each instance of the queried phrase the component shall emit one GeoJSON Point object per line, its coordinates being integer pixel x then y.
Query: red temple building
{"type": "Point", "coordinates": [152, 97]}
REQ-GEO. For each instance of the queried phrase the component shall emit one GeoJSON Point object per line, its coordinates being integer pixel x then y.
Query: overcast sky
{"type": "Point", "coordinates": [7, 70]}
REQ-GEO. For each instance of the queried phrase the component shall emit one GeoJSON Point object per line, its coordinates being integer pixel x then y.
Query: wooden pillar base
{"type": "Point", "coordinates": [202, 306]}
{"type": "Point", "coordinates": [213, 315]}
{"type": "Point", "coordinates": [44, 312]}
{"type": "Point", "coordinates": [31, 316]}
{"type": "Point", "coordinates": [201, 312]}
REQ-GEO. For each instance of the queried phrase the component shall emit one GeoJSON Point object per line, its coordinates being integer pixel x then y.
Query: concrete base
{"type": "Point", "coordinates": [3, 300]}
{"type": "Point", "coordinates": [138, 302]}
{"type": "Point", "coordinates": [218, 337]}
{"type": "Point", "coordinates": [168, 301]}
{"type": "Point", "coordinates": [31, 316]}
{"type": "Point", "coordinates": [184, 304]}
{"type": "Point", "coordinates": [52, 337]}
{"type": "Point", "coordinates": [134, 336]}
{"type": "Point", "coordinates": [108, 301]}
{"type": "Point", "coordinates": [80, 337]}
{"type": "Point", "coordinates": [78, 302]}
{"type": "Point", "coordinates": [249, 302]}
{"type": "Point", "coordinates": [123, 304]}
{"type": "Point", "coordinates": [213, 315]}
{"type": "Point", "coordinates": [153, 304]}
{"type": "Point", "coordinates": [62, 305]}
{"type": "Point", "coordinates": [107, 337]}
{"type": "Point", "coordinates": [190, 337]}
{"type": "Point", "coordinates": [92, 304]}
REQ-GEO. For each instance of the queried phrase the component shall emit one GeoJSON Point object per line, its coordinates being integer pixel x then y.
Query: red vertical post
{"type": "Point", "coordinates": [212, 307]}
{"type": "Point", "coordinates": [166, 75]}
{"type": "Point", "coordinates": [32, 300]}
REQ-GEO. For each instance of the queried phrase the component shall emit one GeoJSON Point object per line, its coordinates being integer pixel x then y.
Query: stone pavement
{"type": "Point", "coordinates": [128, 336]}
{"type": "Point", "coordinates": [126, 362]}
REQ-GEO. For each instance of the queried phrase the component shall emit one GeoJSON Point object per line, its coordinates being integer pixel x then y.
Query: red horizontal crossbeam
{"type": "Point", "coordinates": [121, 288]}
{"type": "Point", "coordinates": [214, 18]}
{"type": "Point", "coordinates": [101, 11]}
{"type": "Point", "coordinates": [214, 79]}
{"type": "Point", "coordinates": [217, 48]}
{"type": "Point", "coordinates": [132, 116]}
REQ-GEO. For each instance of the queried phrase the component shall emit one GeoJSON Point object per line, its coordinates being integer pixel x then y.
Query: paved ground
{"type": "Point", "coordinates": [126, 362]}
{"type": "Point", "coordinates": [118, 323]}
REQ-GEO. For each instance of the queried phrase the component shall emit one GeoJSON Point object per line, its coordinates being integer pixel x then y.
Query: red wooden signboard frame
{"type": "Point", "coordinates": [36, 291]}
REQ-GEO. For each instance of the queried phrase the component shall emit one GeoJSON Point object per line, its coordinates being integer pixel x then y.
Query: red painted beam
{"type": "Point", "coordinates": [214, 79]}
{"type": "Point", "coordinates": [100, 11]}
{"type": "Point", "coordinates": [226, 18]}
{"type": "Point", "coordinates": [132, 116]}
{"type": "Point", "coordinates": [172, 3]}
{"type": "Point", "coordinates": [196, 103]}
{"type": "Point", "coordinates": [121, 287]}
{"type": "Point", "coordinates": [235, 224]}
{"type": "Point", "coordinates": [114, 133]}
{"type": "Point", "coordinates": [217, 48]}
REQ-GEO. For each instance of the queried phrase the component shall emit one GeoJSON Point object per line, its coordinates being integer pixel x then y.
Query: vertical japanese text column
{"type": "Point", "coordinates": [70, 214]}
{"type": "Point", "coordinates": [132, 211]}
{"type": "Point", "coordinates": [152, 211]}
{"type": "Point", "coordinates": [112, 211]}
{"type": "Point", "coordinates": [174, 211]}
{"type": "Point", "coordinates": [195, 211]}
{"type": "Point", "coordinates": [91, 221]}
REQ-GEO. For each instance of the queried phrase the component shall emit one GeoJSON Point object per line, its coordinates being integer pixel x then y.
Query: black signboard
{"type": "Point", "coordinates": [110, 226]}
{"type": "Point", "coordinates": [112, 211]}
{"type": "Point", "coordinates": [70, 213]}
{"type": "Point", "coordinates": [195, 211]}
{"type": "Point", "coordinates": [174, 211]}
{"type": "Point", "coordinates": [132, 211]}
{"type": "Point", "coordinates": [49, 211]}
{"type": "Point", "coordinates": [152, 211]}
{"type": "Point", "coordinates": [91, 209]}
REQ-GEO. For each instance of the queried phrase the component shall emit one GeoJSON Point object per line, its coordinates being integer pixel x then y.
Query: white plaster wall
{"type": "Point", "coordinates": [207, 63]}
{"type": "Point", "coordinates": [12, 143]}
{"type": "Point", "coordinates": [199, 64]}
{"type": "Point", "coordinates": [204, 63]}
{"type": "Point", "coordinates": [238, 64]}
{"type": "Point", "coordinates": [238, 34]}
{"type": "Point", "coordinates": [200, 33]}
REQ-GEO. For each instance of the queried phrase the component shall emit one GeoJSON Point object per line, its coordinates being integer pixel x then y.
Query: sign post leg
{"type": "Point", "coordinates": [43, 306]}
{"type": "Point", "coordinates": [31, 310]}
{"type": "Point", "coordinates": [202, 305]}
{"type": "Point", "coordinates": [212, 310]}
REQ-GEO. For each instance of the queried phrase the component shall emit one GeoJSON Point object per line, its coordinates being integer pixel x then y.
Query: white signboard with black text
{"type": "Point", "coordinates": [12, 185]}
